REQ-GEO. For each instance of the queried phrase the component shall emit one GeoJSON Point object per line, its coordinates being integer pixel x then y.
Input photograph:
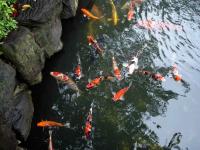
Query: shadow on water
{"type": "Point", "coordinates": [117, 126]}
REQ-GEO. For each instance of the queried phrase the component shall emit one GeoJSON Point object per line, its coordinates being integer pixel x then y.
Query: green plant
{"type": "Point", "coordinates": [7, 23]}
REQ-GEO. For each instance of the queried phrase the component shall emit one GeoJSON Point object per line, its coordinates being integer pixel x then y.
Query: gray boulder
{"type": "Point", "coordinates": [22, 50]}
{"type": "Point", "coordinates": [22, 114]}
{"type": "Point", "coordinates": [69, 8]}
{"type": "Point", "coordinates": [7, 137]}
{"type": "Point", "coordinates": [7, 86]}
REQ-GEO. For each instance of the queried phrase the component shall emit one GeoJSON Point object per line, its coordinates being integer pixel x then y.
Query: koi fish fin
{"type": "Point", "coordinates": [84, 16]}
{"type": "Point", "coordinates": [122, 98]}
{"type": "Point", "coordinates": [89, 44]}
{"type": "Point", "coordinates": [125, 6]}
{"type": "Point", "coordinates": [125, 64]}
{"type": "Point", "coordinates": [109, 19]}
{"type": "Point", "coordinates": [19, 142]}
{"type": "Point", "coordinates": [113, 93]}
{"type": "Point", "coordinates": [67, 125]}
{"type": "Point", "coordinates": [101, 73]}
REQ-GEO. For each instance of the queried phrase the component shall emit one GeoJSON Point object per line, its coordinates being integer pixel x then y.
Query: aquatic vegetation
{"type": "Point", "coordinates": [7, 22]}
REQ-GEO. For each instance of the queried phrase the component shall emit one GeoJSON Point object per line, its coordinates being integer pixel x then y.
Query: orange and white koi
{"type": "Point", "coordinates": [175, 73]}
{"type": "Point", "coordinates": [114, 13]}
{"type": "Point", "coordinates": [95, 44]}
{"type": "Point", "coordinates": [95, 82]}
{"type": "Point", "coordinates": [50, 124]}
{"type": "Point", "coordinates": [116, 70]}
{"type": "Point", "coordinates": [89, 14]}
{"type": "Point", "coordinates": [66, 80]}
{"type": "Point", "coordinates": [50, 147]}
{"type": "Point", "coordinates": [131, 12]}
{"type": "Point", "coordinates": [120, 94]}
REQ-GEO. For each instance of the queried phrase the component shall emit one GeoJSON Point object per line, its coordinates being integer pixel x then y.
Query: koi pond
{"type": "Point", "coordinates": [154, 114]}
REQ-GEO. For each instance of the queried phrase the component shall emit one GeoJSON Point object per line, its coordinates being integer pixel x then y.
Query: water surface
{"type": "Point", "coordinates": [152, 111]}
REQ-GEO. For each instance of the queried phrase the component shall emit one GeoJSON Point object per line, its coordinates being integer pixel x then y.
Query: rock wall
{"type": "Point", "coordinates": [37, 38]}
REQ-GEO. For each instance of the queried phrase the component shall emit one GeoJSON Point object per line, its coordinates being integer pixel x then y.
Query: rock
{"type": "Point", "coordinates": [7, 137]}
{"type": "Point", "coordinates": [48, 36]}
{"type": "Point", "coordinates": [7, 85]}
{"type": "Point", "coordinates": [22, 114]}
{"type": "Point", "coordinates": [17, 109]}
{"type": "Point", "coordinates": [41, 11]}
{"type": "Point", "coordinates": [69, 8]}
{"type": "Point", "coordinates": [21, 49]}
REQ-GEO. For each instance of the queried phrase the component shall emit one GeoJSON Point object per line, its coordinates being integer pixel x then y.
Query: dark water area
{"type": "Point", "coordinates": [152, 111]}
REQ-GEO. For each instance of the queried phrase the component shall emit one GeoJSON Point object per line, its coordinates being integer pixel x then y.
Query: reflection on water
{"type": "Point", "coordinates": [154, 114]}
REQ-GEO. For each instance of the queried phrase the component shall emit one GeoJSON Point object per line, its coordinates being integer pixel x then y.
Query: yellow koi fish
{"type": "Point", "coordinates": [25, 7]}
{"type": "Point", "coordinates": [114, 13]}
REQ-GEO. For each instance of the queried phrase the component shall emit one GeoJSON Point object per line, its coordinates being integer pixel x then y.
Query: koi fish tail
{"type": "Point", "coordinates": [125, 64]}
{"type": "Point", "coordinates": [50, 132]}
{"type": "Point", "coordinates": [78, 93]}
{"type": "Point", "coordinates": [67, 125]}
{"type": "Point", "coordinates": [78, 59]}
{"type": "Point", "coordinates": [130, 84]}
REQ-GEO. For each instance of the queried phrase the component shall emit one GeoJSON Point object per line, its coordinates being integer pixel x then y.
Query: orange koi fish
{"type": "Point", "coordinates": [95, 45]}
{"type": "Point", "coordinates": [175, 73]}
{"type": "Point", "coordinates": [94, 82]}
{"type": "Point", "coordinates": [50, 124]}
{"type": "Point", "coordinates": [120, 94]}
{"type": "Point", "coordinates": [88, 124]}
{"type": "Point", "coordinates": [66, 80]}
{"type": "Point", "coordinates": [50, 147]}
{"type": "Point", "coordinates": [116, 70]}
{"type": "Point", "coordinates": [89, 14]}
{"type": "Point", "coordinates": [131, 12]}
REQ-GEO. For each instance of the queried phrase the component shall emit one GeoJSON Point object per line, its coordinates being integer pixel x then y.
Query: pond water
{"type": "Point", "coordinates": [152, 111]}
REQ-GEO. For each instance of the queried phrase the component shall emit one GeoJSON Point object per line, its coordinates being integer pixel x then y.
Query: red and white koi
{"type": "Point", "coordinates": [158, 77]}
{"type": "Point", "coordinates": [78, 69]}
{"type": "Point", "coordinates": [66, 80]}
{"type": "Point", "coordinates": [93, 42]}
{"type": "Point", "coordinates": [88, 124]}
